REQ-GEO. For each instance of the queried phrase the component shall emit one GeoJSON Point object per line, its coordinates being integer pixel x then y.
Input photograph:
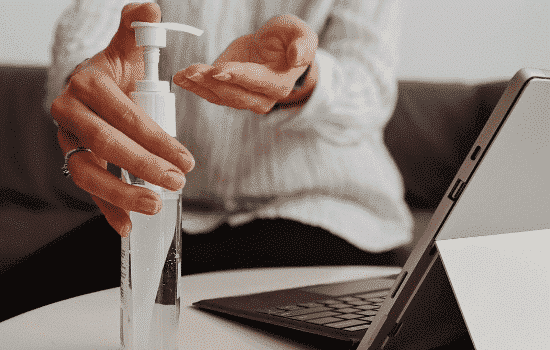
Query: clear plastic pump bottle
{"type": "Point", "coordinates": [151, 264]}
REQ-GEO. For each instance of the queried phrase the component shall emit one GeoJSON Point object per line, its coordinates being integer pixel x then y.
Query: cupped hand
{"type": "Point", "coordinates": [257, 70]}
{"type": "Point", "coordinates": [95, 112]}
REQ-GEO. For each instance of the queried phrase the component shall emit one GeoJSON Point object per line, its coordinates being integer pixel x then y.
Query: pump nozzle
{"type": "Point", "coordinates": [151, 94]}
{"type": "Point", "coordinates": [154, 34]}
{"type": "Point", "coordinates": [153, 37]}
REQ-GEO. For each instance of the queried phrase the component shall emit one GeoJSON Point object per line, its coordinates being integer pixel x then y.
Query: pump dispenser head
{"type": "Point", "coordinates": [151, 94]}
{"type": "Point", "coordinates": [153, 36]}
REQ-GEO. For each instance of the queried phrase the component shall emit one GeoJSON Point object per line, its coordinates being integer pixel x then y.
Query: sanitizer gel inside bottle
{"type": "Point", "coordinates": [151, 263]}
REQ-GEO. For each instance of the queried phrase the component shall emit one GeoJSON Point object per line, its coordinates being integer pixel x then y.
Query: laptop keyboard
{"type": "Point", "coordinates": [350, 313]}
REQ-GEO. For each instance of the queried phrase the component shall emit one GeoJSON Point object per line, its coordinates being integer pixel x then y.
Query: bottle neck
{"type": "Point", "coordinates": [151, 58]}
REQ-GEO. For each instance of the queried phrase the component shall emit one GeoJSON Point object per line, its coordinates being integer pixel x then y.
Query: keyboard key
{"type": "Point", "coordinates": [371, 295]}
{"type": "Point", "coordinates": [349, 299]}
{"type": "Point", "coordinates": [338, 306]}
{"type": "Point", "coordinates": [304, 311]}
{"type": "Point", "coordinates": [367, 307]}
{"type": "Point", "coordinates": [361, 302]}
{"type": "Point", "coordinates": [310, 305]}
{"type": "Point", "coordinates": [349, 316]}
{"type": "Point", "coordinates": [366, 319]}
{"type": "Point", "coordinates": [344, 324]}
{"type": "Point", "coordinates": [368, 313]}
{"type": "Point", "coordinates": [328, 301]}
{"type": "Point", "coordinates": [317, 315]}
{"type": "Point", "coordinates": [290, 307]}
{"type": "Point", "coordinates": [357, 328]}
{"type": "Point", "coordinates": [377, 300]}
{"type": "Point", "coordinates": [272, 311]}
{"type": "Point", "coordinates": [324, 320]}
{"type": "Point", "coordinates": [348, 310]}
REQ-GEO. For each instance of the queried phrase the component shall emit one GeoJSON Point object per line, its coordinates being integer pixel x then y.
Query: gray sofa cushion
{"type": "Point", "coordinates": [37, 204]}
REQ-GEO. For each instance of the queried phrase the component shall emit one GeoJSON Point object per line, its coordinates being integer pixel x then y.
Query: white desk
{"type": "Point", "coordinates": [92, 321]}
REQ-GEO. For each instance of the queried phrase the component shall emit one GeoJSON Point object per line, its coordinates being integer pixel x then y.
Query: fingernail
{"type": "Point", "coordinates": [175, 180]}
{"type": "Point", "coordinates": [195, 77]}
{"type": "Point", "coordinates": [187, 161]}
{"type": "Point", "coordinates": [148, 205]}
{"type": "Point", "coordinates": [126, 230]}
{"type": "Point", "coordinates": [222, 76]}
{"type": "Point", "coordinates": [179, 80]}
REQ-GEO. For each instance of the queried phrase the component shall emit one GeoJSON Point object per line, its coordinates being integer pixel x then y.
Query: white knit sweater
{"type": "Point", "coordinates": [324, 164]}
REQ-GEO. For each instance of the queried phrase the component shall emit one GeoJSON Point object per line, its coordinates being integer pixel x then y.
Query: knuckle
{"type": "Point", "coordinates": [243, 104]}
{"type": "Point", "coordinates": [264, 109]}
{"type": "Point", "coordinates": [117, 198]}
{"type": "Point", "coordinates": [77, 83]}
{"type": "Point", "coordinates": [146, 164]}
{"type": "Point", "coordinates": [284, 91]}
{"type": "Point", "coordinates": [80, 178]}
{"type": "Point", "coordinates": [58, 106]}
{"type": "Point", "coordinates": [95, 139]}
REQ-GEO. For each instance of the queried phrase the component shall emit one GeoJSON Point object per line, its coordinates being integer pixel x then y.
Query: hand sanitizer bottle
{"type": "Point", "coordinates": [151, 264]}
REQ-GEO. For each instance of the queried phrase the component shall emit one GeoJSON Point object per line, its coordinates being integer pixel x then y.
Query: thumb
{"type": "Point", "coordinates": [295, 34]}
{"type": "Point", "coordinates": [124, 41]}
{"type": "Point", "coordinates": [301, 51]}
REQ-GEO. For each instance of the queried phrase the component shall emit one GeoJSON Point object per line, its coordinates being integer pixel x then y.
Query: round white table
{"type": "Point", "coordinates": [92, 321]}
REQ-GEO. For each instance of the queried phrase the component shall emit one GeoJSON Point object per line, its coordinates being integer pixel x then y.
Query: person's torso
{"type": "Point", "coordinates": [217, 136]}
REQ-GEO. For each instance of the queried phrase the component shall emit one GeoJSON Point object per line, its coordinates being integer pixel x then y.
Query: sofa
{"type": "Point", "coordinates": [430, 133]}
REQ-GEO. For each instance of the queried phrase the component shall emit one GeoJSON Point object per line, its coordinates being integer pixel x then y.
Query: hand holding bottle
{"type": "Point", "coordinates": [94, 111]}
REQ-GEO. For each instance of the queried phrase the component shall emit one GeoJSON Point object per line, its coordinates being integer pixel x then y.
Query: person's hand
{"type": "Point", "coordinates": [258, 70]}
{"type": "Point", "coordinates": [95, 112]}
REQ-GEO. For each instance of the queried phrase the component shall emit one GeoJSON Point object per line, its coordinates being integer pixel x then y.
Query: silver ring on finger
{"type": "Point", "coordinates": [65, 167]}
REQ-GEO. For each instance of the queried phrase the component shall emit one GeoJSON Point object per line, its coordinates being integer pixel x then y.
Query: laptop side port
{"type": "Point", "coordinates": [457, 190]}
{"type": "Point", "coordinates": [475, 153]}
{"type": "Point", "coordinates": [399, 284]}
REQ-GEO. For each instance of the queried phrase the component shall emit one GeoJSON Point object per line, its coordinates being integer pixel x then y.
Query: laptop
{"type": "Point", "coordinates": [480, 275]}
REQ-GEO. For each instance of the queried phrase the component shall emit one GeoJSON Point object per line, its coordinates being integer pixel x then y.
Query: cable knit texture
{"type": "Point", "coordinates": [324, 164]}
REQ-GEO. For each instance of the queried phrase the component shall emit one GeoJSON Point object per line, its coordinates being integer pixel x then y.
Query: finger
{"type": "Point", "coordinates": [99, 182]}
{"type": "Point", "coordinates": [188, 79]}
{"type": "Point", "coordinates": [230, 95]}
{"type": "Point", "coordinates": [112, 145]}
{"type": "Point", "coordinates": [301, 51]}
{"type": "Point", "coordinates": [259, 78]}
{"type": "Point", "coordinates": [194, 73]}
{"type": "Point", "coordinates": [124, 41]}
{"type": "Point", "coordinates": [99, 93]}
{"type": "Point", "coordinates": [295, 34]}
{"type": "Point", "coordinates": [237, 51]}
{"type": "Point", "coordinates": [198, 79]}
{"type": "Point", "coordinates": [198, 90]}
{"type": "Point", "coordinates": [118, 218]}
{"type": "Point", "coordinates": [272, 49]}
